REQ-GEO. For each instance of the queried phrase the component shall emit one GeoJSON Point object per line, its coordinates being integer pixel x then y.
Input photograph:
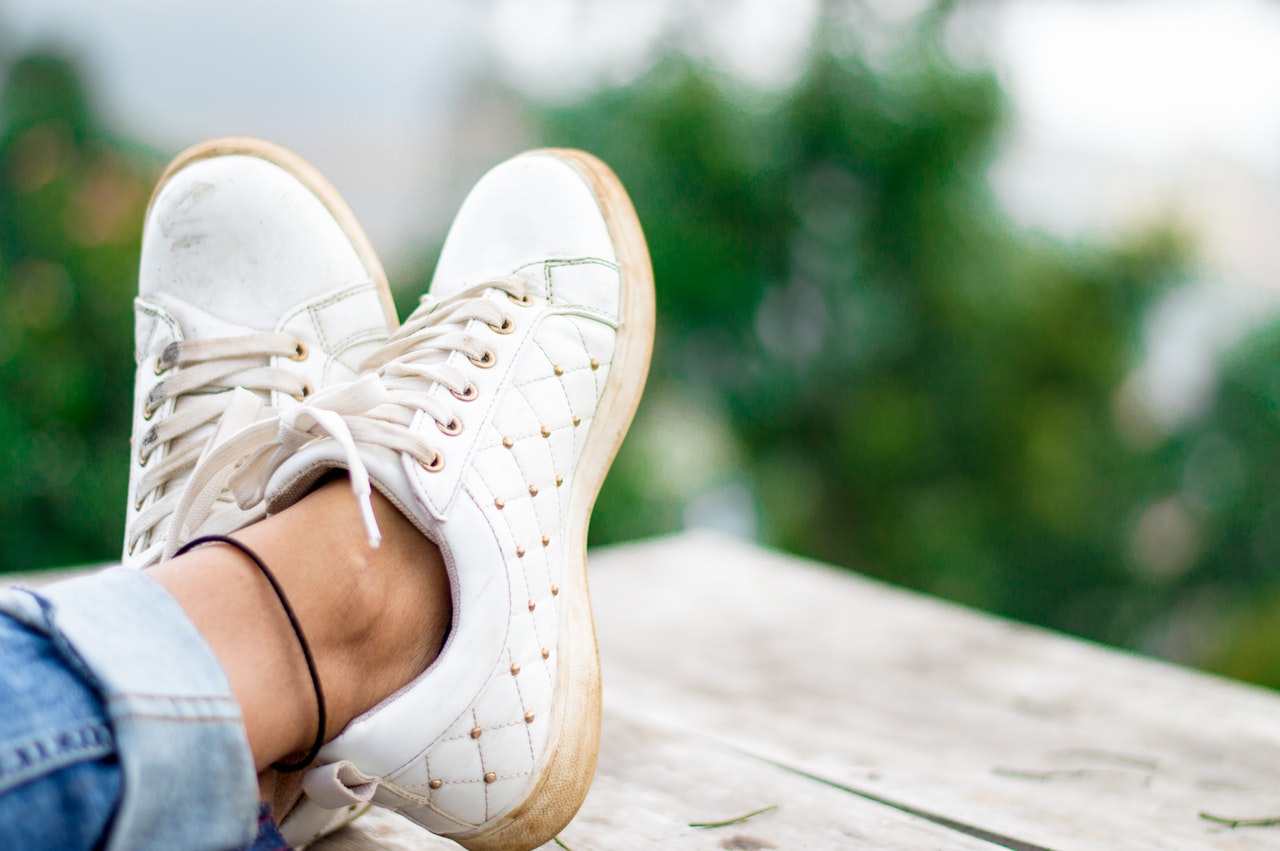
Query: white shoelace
{"type": "Point", "coordinates": [376, 410]}
{"type": "Point", "coordinates": [199, 374]}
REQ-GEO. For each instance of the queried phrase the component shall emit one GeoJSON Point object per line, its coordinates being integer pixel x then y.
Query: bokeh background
{"type": "Point", "coordinates": [976, 297]}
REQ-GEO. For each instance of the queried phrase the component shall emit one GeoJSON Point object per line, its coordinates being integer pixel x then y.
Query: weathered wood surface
{"type": "Point", "coordinates": [737, 678]}
{"type": "Point", "coordinates": [653, 783]}
{"type": "Point", "coordinates": [1021, 733]}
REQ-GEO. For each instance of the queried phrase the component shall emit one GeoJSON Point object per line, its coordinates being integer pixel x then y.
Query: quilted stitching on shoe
{"type": "Point", "coordinates": [554, 385]}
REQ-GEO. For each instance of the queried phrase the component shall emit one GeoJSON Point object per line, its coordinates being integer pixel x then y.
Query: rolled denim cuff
{"type": "Point", "coordinates": [189, 776]}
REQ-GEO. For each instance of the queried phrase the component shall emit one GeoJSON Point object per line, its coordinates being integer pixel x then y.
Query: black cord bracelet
{"type": "Point", "coordinates": [302, 641]}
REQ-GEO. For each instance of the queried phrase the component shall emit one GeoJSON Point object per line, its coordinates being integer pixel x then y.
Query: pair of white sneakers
{"type": "Point", "coordinates": [268, 356]}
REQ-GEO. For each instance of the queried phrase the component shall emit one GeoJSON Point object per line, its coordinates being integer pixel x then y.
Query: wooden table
{"type": "Point", "coordinates": [738, 679]}
{"type": "Point", "coordinates": [863, 716]}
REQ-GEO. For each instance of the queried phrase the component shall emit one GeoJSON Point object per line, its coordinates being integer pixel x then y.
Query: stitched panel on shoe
{"type": "Point", "coordinates": [341, 319]}
{"type": "Point", "coordinates": [510, 716]}
{"type": "Point", "coordinates": [151, 323]}
{"type": "Point", "coordinates": [589, 282]}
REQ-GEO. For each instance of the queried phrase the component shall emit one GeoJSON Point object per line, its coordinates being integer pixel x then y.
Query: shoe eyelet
{"type": "Point", "coordinates": [159, 368]}
{"type": "Point", "coordinates": [508, 325]}
{"type": "Point", "coordinates": [486, 361]}
{"type": "Point", "coordinates": [306, 391]}
{"type": "Point", "coordinates": [454, 426]}
{"type": "Point", "coordinates": [137, 505]}
{"type": "Point", "coordinates": [435, 465]}
{"type": "Point", "coordinates": [523, 300]}
{"type": "Point", "coordinates": [300, 352]}
{"type": "Point", "coordinates": [143, 459]}
{"type": "Point", "coordinates": [468, 395]}
{"type": "Point", "coordinates": [148, 412]}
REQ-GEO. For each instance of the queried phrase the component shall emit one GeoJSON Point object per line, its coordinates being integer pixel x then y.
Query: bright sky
{"type": "Point", "coordinates": [1123, 107]}
{"type": "Point", "coordinates": [1156, 81]}
{"type": "Point", "coordinates": [1125, 110]}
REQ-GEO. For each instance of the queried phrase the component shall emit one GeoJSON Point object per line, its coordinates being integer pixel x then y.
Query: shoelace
{"type": "Point", "coordinates": [198, 374]}
{"type": "Point", "coordinates": [376, 409]}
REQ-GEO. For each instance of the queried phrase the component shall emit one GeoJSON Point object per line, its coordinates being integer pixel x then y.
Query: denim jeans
{"type": "Point", "coordinates": [118, 728]}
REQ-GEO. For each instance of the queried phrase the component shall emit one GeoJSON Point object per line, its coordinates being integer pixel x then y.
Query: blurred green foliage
{"type": "Point", "coordinates": [859, 358]}
{"type": "Point", "coordinates": [860, 353]}
{"type": "Point", "coordinates": [71, 205]}
{"type": "Point", "coordinates": [913, 387]}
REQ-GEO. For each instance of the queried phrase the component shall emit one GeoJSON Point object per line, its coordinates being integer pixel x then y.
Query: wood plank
{"type": "Point", "coordinates": [730, 670]}
{"type": "Point", "coordinates": [1043, 739]}
{"type": "Point", "coordinates": [654, 783]}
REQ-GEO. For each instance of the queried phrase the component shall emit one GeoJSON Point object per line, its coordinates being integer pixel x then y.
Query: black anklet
{"type": "Point", "coordinates": [302, 641]}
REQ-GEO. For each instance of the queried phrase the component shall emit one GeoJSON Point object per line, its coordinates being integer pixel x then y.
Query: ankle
{"type": "Point", "coordinates": [375, 618]}
{"type": "Point", "coordinates": [401, 606]}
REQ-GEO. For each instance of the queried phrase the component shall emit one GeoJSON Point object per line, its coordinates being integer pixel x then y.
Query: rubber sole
{"type": "Point", "coordinates": [573, 739]}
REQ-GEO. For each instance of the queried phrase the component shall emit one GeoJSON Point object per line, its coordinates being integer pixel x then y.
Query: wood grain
{"type": "Point", "coordinates": [737, 678]}
{"type": "Point", "coordinates": [1043, 739]}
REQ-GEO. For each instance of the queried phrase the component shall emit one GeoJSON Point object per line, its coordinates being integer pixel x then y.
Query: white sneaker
{"type": "Point", "coordinates": [256, 288]}
{"type": "Point", "coordinates": [491, 422]}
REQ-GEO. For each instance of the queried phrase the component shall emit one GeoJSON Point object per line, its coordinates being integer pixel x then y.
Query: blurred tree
{"type": "Point", "coordinates": [71, 204]}
{"type": "Point", "coordinates": [859, 358]}
{"type": "Point", "coordinates": [908, 384]}
{"type": "Point", "coordinates": [1224, 479]}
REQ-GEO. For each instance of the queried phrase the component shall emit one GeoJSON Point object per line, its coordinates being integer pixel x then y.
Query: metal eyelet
{"type": "Point", "coordinates": [143, 459]}
{"type": "Point", "coordinates": [159, 368]}
{"type": "Point", "coordinates": [306, 391]}
{"type": "Point", "coordinates": [300, 352]}
{"type": "Point", "coordinates": [508, 325]}
{"type": "Point", "coordinates": [454, 426]}
{"type": "Point", "coordinates": [468, 395]}
{"type": "Point", "coordinates": [523, 300]}
{"type": "Point", "coordinates": [487, 360]}
{"type": "Point", "coordinates": [436, 464]}
{"type": "Point", "coordinates": [147, 412]}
